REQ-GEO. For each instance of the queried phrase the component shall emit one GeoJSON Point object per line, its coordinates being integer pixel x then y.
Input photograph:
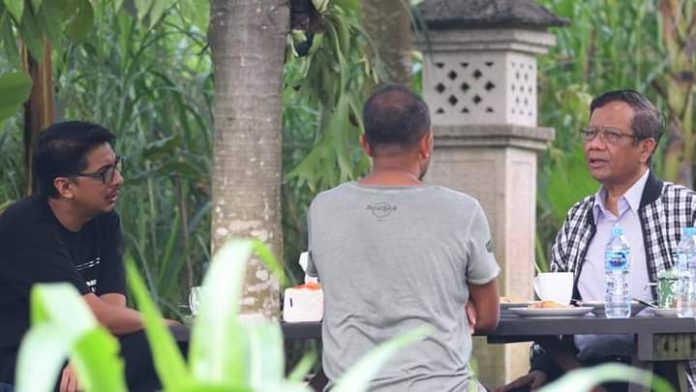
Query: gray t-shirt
{"type": "Point", "coordinates": [393, 259]}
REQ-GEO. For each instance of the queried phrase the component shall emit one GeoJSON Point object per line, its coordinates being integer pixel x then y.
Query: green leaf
{"type": "Point", "coordinates": [62, 323]}
{"type": "Point", "coordinates": [303, 367]}
{"type": "Point", "coordinates": [43, 351]}
{"type": "Point", "coordinates": [183, 168]}
{"type": "Point", "coordinates": [16, 8]}
{"type": "Point", "coordinates": [81, 24]}
{"type": "Point", "coordinates": [70, 313]}
{"type": "Point", "coordinates": [52, 17]}
{"type": "Point", "coordinates": [587, 378]}
{"type": "Point", "coordinates": [158, 9]}
{"type": "Point", "coordinates": [168, 360]}
{"type": "Point", "coordinates": [95, 357]}
{"type": "Point", "coordinates": [321, 5]}
{"type": "Point", "coordinates": [216, 354]}
{"type": "Point", "coordinates": [9, 40]}
{"type": "Point", "coordinates": [569, 181]}
{"type": "Point", "coordinates": [161, 148]}
{"type": "Point", "coordinates": [358, 377]}
{"type": "Point", "coordinates": [14, 90]}
{"type": "Point", "coordinates": [143, 7]}
{"type": "Point", "coordinates": [32, 35]}
{"type": "Point", "coordinates": [197, 12]}
{"type": "Point", "coordinates": [267, 361]}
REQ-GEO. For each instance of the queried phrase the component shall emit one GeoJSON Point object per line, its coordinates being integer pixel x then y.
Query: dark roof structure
{"type": "Point", "coordinates": [471, 14]}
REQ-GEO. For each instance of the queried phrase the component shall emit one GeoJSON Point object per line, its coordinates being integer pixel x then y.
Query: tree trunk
{"type": "Point", "coordinates": [388, 24]}
{"type": "Point", "coordinates": [247, 39]}
{"type": "Point", "coordinates": [678, 37]}
{"type": "Point", "coordinates": [39, 109]}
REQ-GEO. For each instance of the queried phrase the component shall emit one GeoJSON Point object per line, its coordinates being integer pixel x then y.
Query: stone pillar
{"type": "Point", "coordinates": [480, 81]}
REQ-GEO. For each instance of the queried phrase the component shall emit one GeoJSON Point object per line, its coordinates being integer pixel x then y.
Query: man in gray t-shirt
{"type": "Point", "coordinates": [394, 254]}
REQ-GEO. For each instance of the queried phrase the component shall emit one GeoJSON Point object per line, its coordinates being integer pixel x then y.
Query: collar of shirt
{"type": "Point", "coordinates": [630, 199]}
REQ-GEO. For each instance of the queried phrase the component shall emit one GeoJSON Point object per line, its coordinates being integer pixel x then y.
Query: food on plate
{"type": "Point", "coordinates": [510, 300]}
{"type": "Point", "coordinates": [546, 305]}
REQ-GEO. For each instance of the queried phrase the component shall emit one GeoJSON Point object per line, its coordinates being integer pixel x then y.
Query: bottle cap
{"type": "Point", "coordinates": [689, 231]}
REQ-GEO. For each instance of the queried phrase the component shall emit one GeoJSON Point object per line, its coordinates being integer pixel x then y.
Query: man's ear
{"type": "Point", "coordinates": [647, 147]}
{"type": "Point", "coordinates": [366, 146]}
{"type": "Point", "coordinates": [64, 186]}
{"type": "Point", "coordinates": [426, 144]}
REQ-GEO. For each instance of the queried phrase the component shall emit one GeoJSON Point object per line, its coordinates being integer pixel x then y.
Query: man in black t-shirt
{"type": "Point", "coordinates": [69, 232]}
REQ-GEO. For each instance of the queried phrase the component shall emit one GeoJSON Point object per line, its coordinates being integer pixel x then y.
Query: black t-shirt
{"type": "Point", "coordinates": [36, 248]}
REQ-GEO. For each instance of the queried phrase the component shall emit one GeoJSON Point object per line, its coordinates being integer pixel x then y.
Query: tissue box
{"type": "Point", "coordinates": [303, 303]}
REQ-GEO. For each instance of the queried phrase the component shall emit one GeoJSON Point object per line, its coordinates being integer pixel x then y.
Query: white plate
{"type": "Point", "coordinates": [508, 305]}
{"type": "Point", "coordinates": [665, 312]}
{"type": "Point", "coordinates": [552, 312]}
{"type": "Point", "coordinates": [600, 310]}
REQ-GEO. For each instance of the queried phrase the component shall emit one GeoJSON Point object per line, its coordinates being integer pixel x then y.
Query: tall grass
{"type": "Point", "coordinates": [153, 88]}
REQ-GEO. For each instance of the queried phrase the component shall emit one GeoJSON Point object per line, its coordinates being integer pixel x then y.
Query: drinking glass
{"type": "Point", "coordinates": [195, 299]}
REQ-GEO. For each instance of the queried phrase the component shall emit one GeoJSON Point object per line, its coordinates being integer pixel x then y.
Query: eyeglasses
{"type": "Point", "coordinates": [106, 174]}
{"type": "Point", "coordinates": [610, 135]}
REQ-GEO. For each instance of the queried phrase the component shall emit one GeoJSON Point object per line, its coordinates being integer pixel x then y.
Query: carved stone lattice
{"type": "Point", "coordinates": [482, 88]}
{"type": "Point", "coordinates": [522, 105]}
{"type": "Point", "coordinates": [464, 88]}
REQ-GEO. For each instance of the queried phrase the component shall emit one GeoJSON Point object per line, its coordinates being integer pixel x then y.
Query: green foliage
{"type": "Point", "coordinates": [334, 78]}
{"type": "Point", "coordinates": [226, 352]}
{"type": "Point", "coordinates": [162, 118]}
{"type": "Point", "coordinates": [322, 102]}
{"type": "Point", "coordinates": [62, 324]}
{"type": "Point", "coordinates": [587, 379]}
{"type": "Point", "coordinates": [14, 90]}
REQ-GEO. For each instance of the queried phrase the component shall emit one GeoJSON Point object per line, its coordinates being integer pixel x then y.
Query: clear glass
{"type": "Point", "coordinates": [195, 300]}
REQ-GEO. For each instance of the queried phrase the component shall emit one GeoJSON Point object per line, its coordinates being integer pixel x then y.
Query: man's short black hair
{"type": "Point", "coordinates": [62, 151]}
{"type": "Point", "coordinates": [648, 122]}
{"type": "Point", "coordinates": [395, 116]}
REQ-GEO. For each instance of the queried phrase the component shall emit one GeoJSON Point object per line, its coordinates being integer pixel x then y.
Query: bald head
{"type": "Point", "coordinates": [395, 117]}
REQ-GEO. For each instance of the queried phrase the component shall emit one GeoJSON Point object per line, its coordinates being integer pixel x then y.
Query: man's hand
{"type": "Point", "coordinates": [471, 316]}
{"type": "Point", "coordinates": [171, 323]}
{"type": "Point", "coordinates": [533, 380]}
{"type": "Point", "coordinates": [68, 381]}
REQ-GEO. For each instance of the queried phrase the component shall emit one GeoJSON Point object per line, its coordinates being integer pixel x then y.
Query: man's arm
{"type": "Point", "coordinates": [485, 301]}
{"type": "Point", "coordinates": [111, 312]}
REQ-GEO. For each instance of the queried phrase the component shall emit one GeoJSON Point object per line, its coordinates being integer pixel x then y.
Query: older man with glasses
{"type": "Point", "coordinates": [619, 142]}
{"type": "Point", "coordinates": [70, 232]}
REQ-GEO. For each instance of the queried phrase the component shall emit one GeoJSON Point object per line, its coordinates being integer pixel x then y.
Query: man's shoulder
{"type": "Point", "coordinates": [672, 190]}
{"type": "Point", "coordinates": [23, 213]}
{"type": "Point", "coordinates": [25, 225]}
{"type": "Point", "coordinates": [580, 208]}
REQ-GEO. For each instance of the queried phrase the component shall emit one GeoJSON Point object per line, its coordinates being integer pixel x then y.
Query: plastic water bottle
{"type": "Point", "coordinates": [617, 262]}
{"type": "Point", "coordinates": [686, 255]}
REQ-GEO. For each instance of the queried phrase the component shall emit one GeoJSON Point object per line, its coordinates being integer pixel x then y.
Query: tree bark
{"type": "Point", "coordinates": [39, 109]}
{"type": "Point", "coordinates": [678, 37]}
{"type": "Point", "coordinates": [388, 24]}
{"type": "Point", "coordinates": [247, 39]}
